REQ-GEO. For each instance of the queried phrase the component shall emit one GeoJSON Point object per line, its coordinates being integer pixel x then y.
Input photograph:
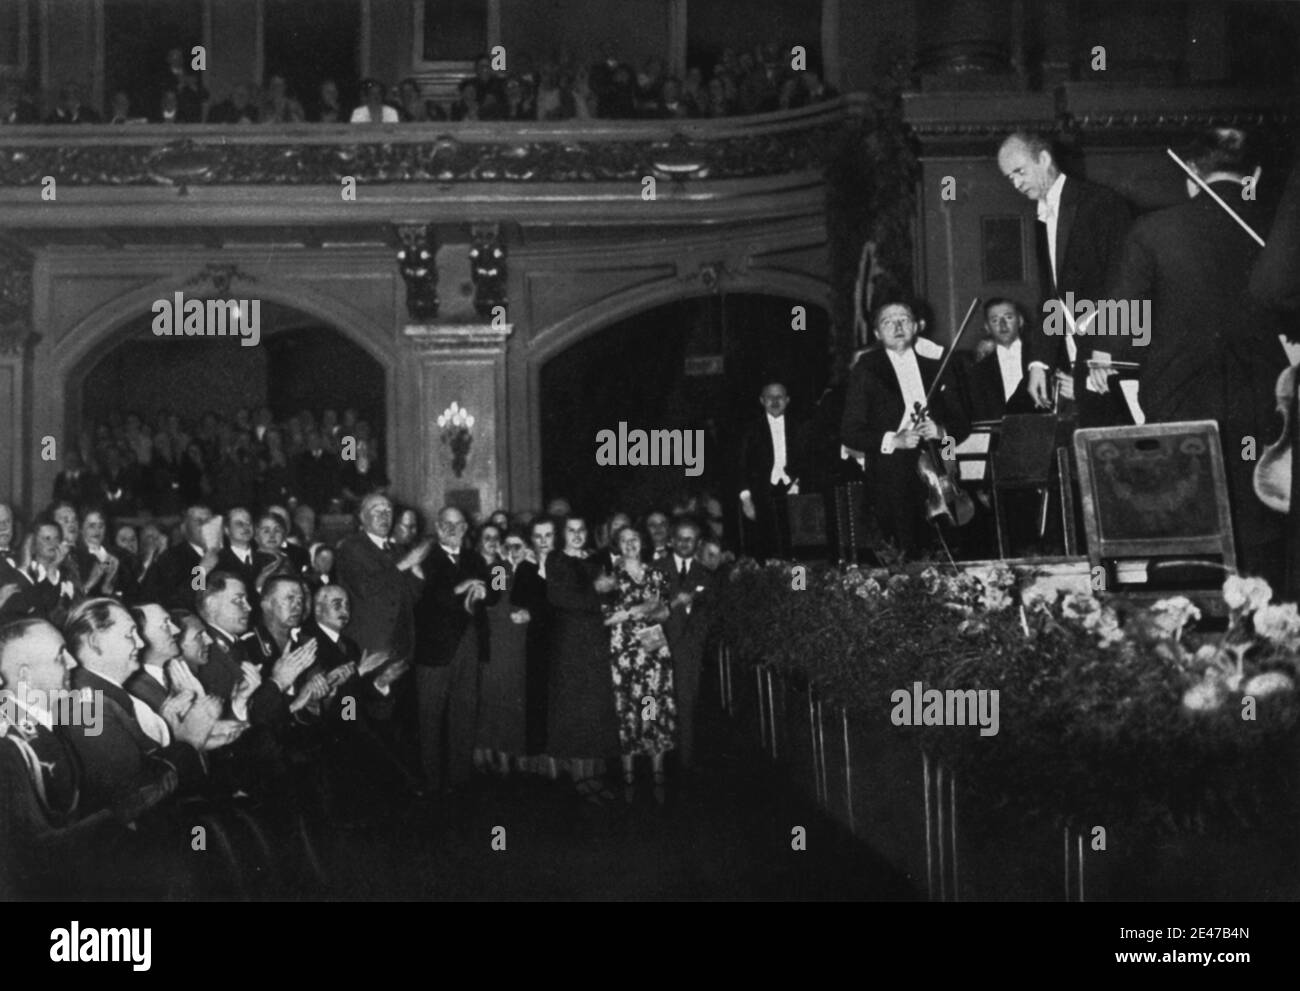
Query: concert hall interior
{"type": "Point", "coordinates": [396, 396]}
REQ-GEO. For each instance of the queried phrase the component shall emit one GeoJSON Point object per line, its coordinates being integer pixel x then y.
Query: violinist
{"type": "Point", "coordinates": [884, 389]}
{"type": "Point", "coordinates": [1213, 351]}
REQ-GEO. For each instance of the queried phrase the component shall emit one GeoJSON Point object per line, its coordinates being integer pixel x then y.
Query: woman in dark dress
{"type": "Point", "coordinates": [582, 724]}
{"type": "Point", "coordinates": [529, 592]}
{"type": "Point", "coordinates": [501, 714]}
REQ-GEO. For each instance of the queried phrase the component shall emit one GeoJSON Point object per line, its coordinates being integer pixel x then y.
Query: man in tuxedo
{"type": "Point", "coordinates": [996, 382]}
{"type": "Point", "coordinates": [149, 682]}
{"type": "Point", "coordinates": [1213, 352]}
{"type": "Point", "coordinates": [884, 388]}
{"type": "Point", "coordinates": [1080, 234]}
{"type": "Point", "coordinates": [771, 463]}
{"type": "Point", "coordinates": [448, 650]}
{"type": "Point", "coordinates": [170, 581]}
{"type": "Point", "coordinates": [690, 593]}
{"type": "Point", "coordinates": [39, 587]}
{"type": "Point", "coordinates": [657, 529]}
{"type": "Point", "coordinates": [239, 557]}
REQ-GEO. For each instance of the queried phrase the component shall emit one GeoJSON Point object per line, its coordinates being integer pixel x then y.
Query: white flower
{"type": "Point", "coordinates": [1279, 624]}
{"type": "Point", "coordinates": [1040, 595]}
{"type": "Point", "coordinates": [1079, 606]}
{"type": "Point", "coordinates": [1268, 683]}
{"type": "Point", "coordinates": [1249, 594]}
{"type": "Point", "coordinates": [1172, 614]}
{"type": "Point", "coordinates": [1205, 696]}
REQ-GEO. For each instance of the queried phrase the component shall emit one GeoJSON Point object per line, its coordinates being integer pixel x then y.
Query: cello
{"type": "Point", "coordinates": [944, 495]}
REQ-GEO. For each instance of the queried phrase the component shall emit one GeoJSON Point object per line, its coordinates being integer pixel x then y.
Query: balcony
{"type": "Point", "coordinates": [552, 173]}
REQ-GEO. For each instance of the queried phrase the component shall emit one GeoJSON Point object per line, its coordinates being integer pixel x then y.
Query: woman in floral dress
{"type": "Point", "coordinates": [642, 669]}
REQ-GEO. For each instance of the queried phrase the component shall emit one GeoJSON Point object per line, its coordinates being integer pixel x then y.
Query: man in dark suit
{"type": "Point", "coordinates": [690, 597]}
{"type": "Point", "coordinates": [149, 681]}
{"type": "Point", "coordinates": [1080, 234]}
{"type": "Point", "coordinates": [239, 557]}
{"type": "Point", "coordinates": [37, 583]}
{"type": "Point", "coordinates": [381, 587]}
{"type": "Point", "coordinates": [51, 848]}
{"type": "Point", "coordinates": [884, 387]}
{"type": "Point", "coordinates": [316, 474]}
{"type": "Point", "coordinates": [448, 650]}
{"type": "Point", "coordinates": [772, 453]}
{"type": "Point", "coordinates": [129, 743]}
{"type": "Point", "coordinates": [232, 673]}
{"type": "Point", "coordinates": [76, 484]}
{"type": "Point", "coordinates": [996, 383]}
{"type": "Point", "coordinates": [170, 580]}
{"type": "Point", "coordinates": [187, 87]}
{"type": "Point", "coordinates": [1213, 351]}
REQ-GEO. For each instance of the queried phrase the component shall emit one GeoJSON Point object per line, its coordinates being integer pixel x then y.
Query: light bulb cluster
{"type": "Point", "coordinates": [457, 417]}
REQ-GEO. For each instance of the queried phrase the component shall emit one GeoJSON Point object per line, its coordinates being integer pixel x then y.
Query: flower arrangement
{"type": "Point", "coordinates": [1108, 714]}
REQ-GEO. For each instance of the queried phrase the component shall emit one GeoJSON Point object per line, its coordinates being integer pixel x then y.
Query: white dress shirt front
{"type": "Point", "coordinates": [908, 373]}
{"type": "Point", "coordinates": [1012, 370]}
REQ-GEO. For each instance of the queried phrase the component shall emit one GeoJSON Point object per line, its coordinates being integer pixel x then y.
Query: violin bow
{"type": "Point", "coordinates": [952, 349]}
{"type": "Point", "coordinates": [1215, 196]}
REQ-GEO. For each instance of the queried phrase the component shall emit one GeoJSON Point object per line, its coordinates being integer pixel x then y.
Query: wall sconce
{"type": "Point", "coordinates": [456, 422]}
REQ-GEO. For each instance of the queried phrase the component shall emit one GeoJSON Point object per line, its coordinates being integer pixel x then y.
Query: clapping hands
{"type": "Point", "coordinates": [291, 665]}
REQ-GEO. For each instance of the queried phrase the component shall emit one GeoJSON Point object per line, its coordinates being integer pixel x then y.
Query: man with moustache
{"type": "Point", "coordinates": [1080, 235]}
{"type": "Point", "coordinates": [449, 646]}
{"type": "Point", "coordinates": [690, 593]}
{"type": "Point", "coordinates": [879, 425]}
{"type": "Point", "coordinates": [772, 460]}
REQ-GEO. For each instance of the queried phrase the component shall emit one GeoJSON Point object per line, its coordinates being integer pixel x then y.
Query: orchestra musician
{"type": "Point", "coordinates": [1213, 352]}
{"type": "Point", "coordinates": [996, 383]}
{"type": "Point", "coordinates": [885, 386]}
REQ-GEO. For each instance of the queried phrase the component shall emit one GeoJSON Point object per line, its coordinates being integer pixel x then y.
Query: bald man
{"type": "Point", "coordinates": [450, 643]}
{"type": "Point", "coordinates": [1081, 229]}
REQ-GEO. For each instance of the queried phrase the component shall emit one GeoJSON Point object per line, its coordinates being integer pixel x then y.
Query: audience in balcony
{"type": "Point", "coordinates": [70, 109]}
{"type": "Point", "coordinates": [238, 108]}
{"type": "Point", "coordinates": [374, 110]}
{"type": "Point", "coordinates": [278, 105]}
{"type": "Point", "coordinates": [327, 109]}
{"type": "Point", "coordinates": [414, 108]}
{"type": "Point", "coordinates": [188, 89]}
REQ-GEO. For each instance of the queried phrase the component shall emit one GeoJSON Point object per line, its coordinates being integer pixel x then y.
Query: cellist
{"type": "Point", "coordinates": [1213, 351]}
{"type": "Point", "coordinates": [884, 388]}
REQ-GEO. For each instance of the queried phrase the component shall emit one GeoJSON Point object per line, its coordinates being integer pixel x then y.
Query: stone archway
{"type": "Point", "coordinates": [62, 360]}
{"type": "Point", "coordinates": [549, 342]}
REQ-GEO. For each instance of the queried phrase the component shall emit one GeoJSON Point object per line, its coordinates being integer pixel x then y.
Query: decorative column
{"type": "Point", "coordinates": [16, 338]}
{"type": "Point", "coordinates": [459, 463]}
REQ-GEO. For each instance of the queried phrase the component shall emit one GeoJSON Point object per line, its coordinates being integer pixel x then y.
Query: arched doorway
{"type": "Point", "coordinates": [301, 364]}
{"type": "Point", "coordinates": [692, 364]}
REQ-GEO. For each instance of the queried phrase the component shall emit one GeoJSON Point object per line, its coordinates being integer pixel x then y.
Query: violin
{"type": "Point", "coordinates": [944, 495]}
{"type": "Point", "coordinates": [1273, 472]}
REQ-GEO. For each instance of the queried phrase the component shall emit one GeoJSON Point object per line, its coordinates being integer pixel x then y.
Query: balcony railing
{"type": "Point", "coordinates": [322, 154]}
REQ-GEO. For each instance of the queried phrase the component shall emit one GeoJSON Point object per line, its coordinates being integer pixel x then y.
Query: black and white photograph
{"type": "Point", "coordinates": [744, 451]}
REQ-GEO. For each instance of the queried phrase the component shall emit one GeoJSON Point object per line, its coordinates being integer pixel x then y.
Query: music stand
{"type": "Point", "coordinates": [1029, 456]}
{"type": "Point", "coordinates": [1156, 510]}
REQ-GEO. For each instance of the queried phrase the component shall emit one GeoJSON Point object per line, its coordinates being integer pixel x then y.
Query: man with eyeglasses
{"type": "Point", "coordinates": [880, 424]}
{"type": "Point", "coordinates": [450, 639]}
